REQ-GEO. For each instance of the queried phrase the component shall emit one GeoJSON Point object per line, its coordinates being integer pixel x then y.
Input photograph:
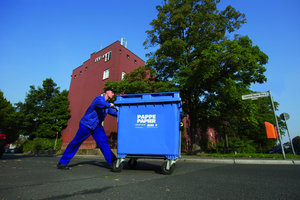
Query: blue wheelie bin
{"type": "Point", "coordinates": [148, 127]}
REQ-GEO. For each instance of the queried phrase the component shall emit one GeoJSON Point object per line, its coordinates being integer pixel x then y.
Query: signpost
{"type": "Point", "coordinates": [255, 96]}
{"type": "Point", "coordinates": [285, 116]}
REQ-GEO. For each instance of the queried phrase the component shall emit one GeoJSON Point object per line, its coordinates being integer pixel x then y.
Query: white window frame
{"type": "Point", "coordinates": [107, 56]}
{"type": "Point", "coordinates": [106, 74]}
{"type": "Point", "coordinates": [123, 74]}
{"type": "Point", "coordinates": [98, 58]}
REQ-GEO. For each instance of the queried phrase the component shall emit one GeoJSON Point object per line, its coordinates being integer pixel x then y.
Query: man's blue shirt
{"type": "Point", "coordinates": [96, 113]}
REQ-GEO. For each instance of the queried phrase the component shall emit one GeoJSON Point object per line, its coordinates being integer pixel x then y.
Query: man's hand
{"type": "Point", "coordinates": [112, 105]}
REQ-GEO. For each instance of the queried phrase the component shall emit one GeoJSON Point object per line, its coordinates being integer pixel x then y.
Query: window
{"type": "Point", "coordinates": [98, 58]}
{"type": "Point", "coordinates": [106, 74]}
{"type": "Point", "coordinates": [86, 68]}
{"type": "Point", "coordinates": [123, 74]}
{"type": "Point", "coordinates": [134, 61]}
{"type": "Point", "coordinates": [107, 56]}
{"type": "Point", "coordinates": [127, 56]}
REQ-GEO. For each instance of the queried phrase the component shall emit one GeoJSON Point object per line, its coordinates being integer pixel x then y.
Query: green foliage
{"type": "Point", "coordinates": [27, 146]}
{"type": "Point", "coordinates": [45, 111]}
{"type": "Point", "coordinates": [193, 50]}
{"type": "Point", "coordinates": [38, 144]}
{"type": "Point", "coordinates": [8, 118]}
{"type": "Point", "coordinates": [242, 145]}
{"type": "Point", "coordinates": [141, 80]}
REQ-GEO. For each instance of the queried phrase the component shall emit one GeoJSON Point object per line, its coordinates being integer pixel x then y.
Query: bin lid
{"type": "Point", "coordinates": [163, 97]}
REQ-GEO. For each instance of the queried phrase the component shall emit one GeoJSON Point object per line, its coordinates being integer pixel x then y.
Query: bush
{"type": "Point", "coordinates": [38, 144]}
{"type": "Point", "coordinates": [242, 145]}
{"type": "Point", "coordinates": [27, 146]}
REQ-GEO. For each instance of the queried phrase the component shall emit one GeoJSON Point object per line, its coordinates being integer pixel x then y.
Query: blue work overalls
{"type": "Point", "coordinates": [91, 124]}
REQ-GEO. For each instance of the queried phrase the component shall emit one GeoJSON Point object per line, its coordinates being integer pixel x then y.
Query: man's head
{"type": "Point", "coordinates": [109, 92]}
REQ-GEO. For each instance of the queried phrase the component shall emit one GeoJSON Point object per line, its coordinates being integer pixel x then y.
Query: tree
{"type": "Point", "coordinates": [212, 71]}
{"type": "Point", "coordinates": [45, 111]}
{"type": "Point", "coordinates": [8, 118]}
{"type": "Point", "coordinates": [141, 80]}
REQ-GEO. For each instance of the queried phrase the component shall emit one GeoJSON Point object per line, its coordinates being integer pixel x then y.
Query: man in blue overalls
{"type": "Point", "coordinates": [91, 124]}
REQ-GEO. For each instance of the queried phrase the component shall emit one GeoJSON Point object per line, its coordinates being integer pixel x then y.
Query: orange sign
{"type": "Point", "coordinates": [271, 131]}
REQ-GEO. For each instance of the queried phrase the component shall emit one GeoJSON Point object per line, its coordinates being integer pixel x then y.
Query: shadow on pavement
{"type": "Point", "coordinates": [95, 163]}
{"type": "Point", "coordinates": [145, 166]}
{"type": "Point", "coordinates": [141, 166]}
{"type": "Point", "coordinates": [14, 156]}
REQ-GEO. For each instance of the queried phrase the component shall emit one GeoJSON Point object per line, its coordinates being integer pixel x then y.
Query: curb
{"type": "Point", "coordinates": [265, 162]}
{"type": "Point", "coordinates": [207, 160]}
{"type": "Point", "coordinates": [242, 161]}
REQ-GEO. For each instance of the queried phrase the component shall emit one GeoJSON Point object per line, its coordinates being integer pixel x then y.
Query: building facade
{"type": "Point", "coordinates": [87, 82]}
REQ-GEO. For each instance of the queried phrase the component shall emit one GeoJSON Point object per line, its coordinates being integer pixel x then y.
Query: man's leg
{"type": "Point", "coordinates": [102, 141]}
{"type": "Point", "coordinates": [82, 133]}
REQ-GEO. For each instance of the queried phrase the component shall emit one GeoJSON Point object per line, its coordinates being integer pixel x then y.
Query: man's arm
{"type": "Point", "coordinates": [101, 103]}
{"type": "Point", "coordinates": [113, 112]}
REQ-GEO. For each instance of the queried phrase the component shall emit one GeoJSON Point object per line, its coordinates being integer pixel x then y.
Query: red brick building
{"type": "Point", "coordinates": [108, 64]}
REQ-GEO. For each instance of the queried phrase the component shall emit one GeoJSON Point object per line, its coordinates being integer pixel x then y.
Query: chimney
{"type": "Point", "coordinates": [124, 42]}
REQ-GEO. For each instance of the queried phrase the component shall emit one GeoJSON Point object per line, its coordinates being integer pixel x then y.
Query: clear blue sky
{"type": "Point", "coordinates": [49, 38]}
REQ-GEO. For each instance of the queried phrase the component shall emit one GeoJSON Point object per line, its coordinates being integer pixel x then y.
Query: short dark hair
{"type": "Point", "coordinates": [110, 89]}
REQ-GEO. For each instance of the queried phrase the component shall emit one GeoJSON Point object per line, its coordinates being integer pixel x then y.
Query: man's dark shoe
{"type": "Point", "coordinates": [110, 166]}
{"type": "Point", "coordinates": [61, 166]}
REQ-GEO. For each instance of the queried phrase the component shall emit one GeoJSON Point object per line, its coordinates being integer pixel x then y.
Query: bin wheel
{"type": "Point", "coordinates": [164, 169]}
{"type": "Point", "coordinates": [114, 167]}
{"type": "Point", "coordinates": [132, 163]}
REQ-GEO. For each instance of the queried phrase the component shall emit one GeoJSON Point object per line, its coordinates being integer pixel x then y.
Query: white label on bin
{"type": "Point", "coordinates": [146, 121]}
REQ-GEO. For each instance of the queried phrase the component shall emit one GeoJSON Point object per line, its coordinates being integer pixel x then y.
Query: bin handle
{"type": "Point", "coordinates": [163, 94]}
{"type": "Point", "coordinates": [133, 96]}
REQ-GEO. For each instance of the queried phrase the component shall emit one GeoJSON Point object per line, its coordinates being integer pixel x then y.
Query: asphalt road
{"type": "Point", "coordinates": [36, 177]}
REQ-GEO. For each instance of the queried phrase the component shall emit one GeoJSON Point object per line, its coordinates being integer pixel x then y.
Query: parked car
{"type": "Point", "coordinates": [2, 142]}
{"type": "Point", "coordinates": [286, 146]}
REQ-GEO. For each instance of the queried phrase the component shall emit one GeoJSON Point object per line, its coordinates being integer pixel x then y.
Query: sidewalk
{"type": "Point", "coordinates": [201, 159]}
